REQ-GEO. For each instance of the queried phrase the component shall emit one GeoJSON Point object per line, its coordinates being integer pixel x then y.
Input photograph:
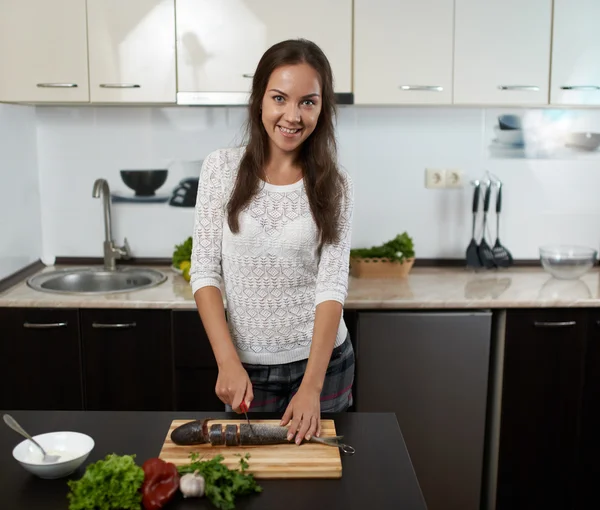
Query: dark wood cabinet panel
{"type": "Point", "coordinates": [127, 359]}
{"type": "Point", "coordinates": [195, 365]}
{"type": "Point", "coordinates": [195, 390]}
{"type": "Point", "coordinates": [40, 365]}
{"type": "Point", "coordinates": [541, 400]}
{"type": "Point", "coordinates": [431, 370]}
{"type": "Point", "coordinates": [589, 442]}
{"type": "Point", "coordinates": [191, 346]}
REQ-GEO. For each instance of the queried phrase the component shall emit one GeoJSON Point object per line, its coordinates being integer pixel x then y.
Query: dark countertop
{"type": "Point", "coordinates": [379, 476]}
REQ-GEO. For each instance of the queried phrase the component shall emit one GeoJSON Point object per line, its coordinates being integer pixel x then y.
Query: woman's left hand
{"type": "Point", "coordinates": [304, 411]}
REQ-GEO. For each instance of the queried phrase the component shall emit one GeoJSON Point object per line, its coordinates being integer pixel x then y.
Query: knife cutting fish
{"type": "Point", "coordinates": [244, 409]}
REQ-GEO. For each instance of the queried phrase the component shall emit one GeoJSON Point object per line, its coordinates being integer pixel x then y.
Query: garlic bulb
{"type": "Point", "coordinates": [192, 485]}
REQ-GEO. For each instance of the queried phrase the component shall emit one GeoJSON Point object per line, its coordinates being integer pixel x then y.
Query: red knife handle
{"type": "Point", "coordinates": [243, 407]}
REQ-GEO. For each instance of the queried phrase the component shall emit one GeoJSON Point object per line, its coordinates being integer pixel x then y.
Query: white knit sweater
{"type": "Point", "coordinates": [271, 271]}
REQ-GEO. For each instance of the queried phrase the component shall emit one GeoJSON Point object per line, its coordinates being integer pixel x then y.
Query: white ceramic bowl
{"type": "Point", "coordinates": [567, 262]}
{"type": "Point", "coordinates": [74, 448]}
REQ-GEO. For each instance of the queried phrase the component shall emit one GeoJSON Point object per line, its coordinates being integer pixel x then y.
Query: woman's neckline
{"type": "Point", "coordinates": [283, 187]}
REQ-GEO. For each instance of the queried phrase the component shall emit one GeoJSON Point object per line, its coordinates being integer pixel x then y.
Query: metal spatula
{"type": "Point", "coordinates": [502, 256]}
{"type": "Point", "coordinates": [472, 254]}
{"type": "Point", "coordinates": [485, 252]}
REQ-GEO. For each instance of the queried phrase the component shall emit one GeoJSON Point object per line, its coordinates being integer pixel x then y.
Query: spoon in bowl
{"type": "Point", "coordinates": [12, 423]}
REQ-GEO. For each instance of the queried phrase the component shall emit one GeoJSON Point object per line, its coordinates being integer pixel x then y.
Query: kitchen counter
{"type": "Point", "coordinates": [433, 288]}
{"type": "Point", "coordinates": [379, 475]}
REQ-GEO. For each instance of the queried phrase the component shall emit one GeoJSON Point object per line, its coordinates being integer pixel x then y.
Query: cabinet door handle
{"type": "Point", "coordinates": [248, 75]}
{"type": "Point", "coordinates": [423, 88]}
{"type": "Point", "coordinates": [44, 325]}
{"type": "Point", "coordinates": [526, 88]}
{"type": "Point", "coordinates": [580, 87]}
{"type": "Point", "coordinates": [57, 85]}
{"type": "Point", "coordinates": [120, 86]}
{"type": "Point", "coordinates": [563, 324]}
{"type": "Point", "coordinates": [118, 325]}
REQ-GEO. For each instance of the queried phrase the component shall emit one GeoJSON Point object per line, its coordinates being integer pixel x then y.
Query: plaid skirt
{"type": "Point", "coordinates": [275, 385]}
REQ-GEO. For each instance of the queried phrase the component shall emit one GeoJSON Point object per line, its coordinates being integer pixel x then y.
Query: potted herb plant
{"type": "Point", "coordinates": [393, 259]}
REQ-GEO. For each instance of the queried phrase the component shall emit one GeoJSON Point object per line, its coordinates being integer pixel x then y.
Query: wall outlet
{"type": "Point", "coordinates": [435, 178]}
{"type": "Point", "coordinates": [454, 178]}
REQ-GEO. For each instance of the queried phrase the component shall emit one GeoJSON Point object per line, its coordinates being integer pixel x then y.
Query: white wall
{"type": "Point", "coordinates": [20, 230]}
{"type": "Point", "coordinates": [386, 150]}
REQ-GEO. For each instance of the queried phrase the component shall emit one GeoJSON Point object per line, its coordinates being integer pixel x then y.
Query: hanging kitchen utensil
{"type": "Point", "coordinates": [502, 256]}
{"type": "Point", "coordinates": [472, 254]}
{"type": "Point", "coordinates": [485, 252]}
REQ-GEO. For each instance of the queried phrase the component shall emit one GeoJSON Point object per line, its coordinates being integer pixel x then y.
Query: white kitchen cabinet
{"type": "Point", "coordinates": [502, 51]}
{"type": "Point", "coordinates": [132, 51]}
{"type": "Point", "coordinates": [220, 43]}
{"type": "Point", "coordinates": [575, 78]}
{"type": "Point", "coordinates": [43, 51]}
{"type": "Point", "coordinates": [403, 51]}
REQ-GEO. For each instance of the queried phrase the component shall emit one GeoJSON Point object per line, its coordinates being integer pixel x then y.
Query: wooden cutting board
{"type": "Point", "coordinates": [309, 460]}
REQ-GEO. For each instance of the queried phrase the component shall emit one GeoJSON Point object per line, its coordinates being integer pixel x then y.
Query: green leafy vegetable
{"type": "Point", "coordinates": [182, 252]}
{"type": "Point", "coordinates": [223, 485]}
{"type": "Point", "coordinates": [109, 484]}
{"type": "Point", "coordinates": [397, 249]}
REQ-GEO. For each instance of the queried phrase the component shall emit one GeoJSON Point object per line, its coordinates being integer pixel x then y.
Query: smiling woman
{"type": "Point", "coordinates": [289, 113]}
{"type": "Point", "coordinates": [292, 90]}
{"type": "Point", "coordinates": [273, 227]}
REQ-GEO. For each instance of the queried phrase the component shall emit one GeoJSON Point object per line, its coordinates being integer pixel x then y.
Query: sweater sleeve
{"type": "Point", "coordinates": [334, 264]}
{"type": "Point", "coordinates": [207, 235]}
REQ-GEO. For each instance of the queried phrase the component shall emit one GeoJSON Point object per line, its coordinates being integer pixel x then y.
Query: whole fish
{"type": "Point", "coordinates": [244, 434]}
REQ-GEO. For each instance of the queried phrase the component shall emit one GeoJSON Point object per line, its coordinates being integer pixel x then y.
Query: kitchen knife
{"type": "Point", "coordinates": [244, 409]}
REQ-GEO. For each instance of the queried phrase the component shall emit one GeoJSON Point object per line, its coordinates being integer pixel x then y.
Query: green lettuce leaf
{"type": "Point", "coordinates": [109, 484]}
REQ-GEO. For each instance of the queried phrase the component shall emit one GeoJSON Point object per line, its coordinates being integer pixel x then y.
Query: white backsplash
{"type": "Point", "coordinates": [386, 150]}
{"type": "Point", "coordinates": [20, 230]}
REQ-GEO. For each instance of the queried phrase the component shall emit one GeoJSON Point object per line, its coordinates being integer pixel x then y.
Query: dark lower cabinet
{"type": "Point", "coordinates": [589, 443]}
{"type": "Point", "coordinates": [40, 359]}
{"type": "Point", "coordinates": [195, 365]}
{"type": "Point", "coordinates": [195, 390]}
{"type": "Point", "coordinates": [431, 369]}
{"type": "Point", "coordinates": [191, 347]}
{"type": "Point", "coordinates": [541, 401]}
{"type": "Point", "coordinates": [127, 359]}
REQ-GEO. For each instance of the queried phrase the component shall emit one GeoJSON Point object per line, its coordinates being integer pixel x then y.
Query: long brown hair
{"type": "Point", "coordinates": [318, 154]}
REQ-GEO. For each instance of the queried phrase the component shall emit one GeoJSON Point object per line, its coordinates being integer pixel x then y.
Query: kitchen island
{"type": "Point", "coordinates": [379, 475]}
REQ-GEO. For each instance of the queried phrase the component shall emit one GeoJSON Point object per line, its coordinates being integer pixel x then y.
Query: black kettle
{"type": "Point", "coordinates": [184, 194]}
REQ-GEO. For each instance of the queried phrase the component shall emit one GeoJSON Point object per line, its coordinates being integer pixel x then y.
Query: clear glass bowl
{"type": "Point", "coordinates": [567, 262]}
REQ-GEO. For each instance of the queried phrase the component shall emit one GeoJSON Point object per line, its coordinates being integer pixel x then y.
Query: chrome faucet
{"type": "Point", "coordinates": [111, 252]}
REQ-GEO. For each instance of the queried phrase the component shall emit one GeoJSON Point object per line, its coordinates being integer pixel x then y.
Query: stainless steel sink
{"type": "Point", "coordinates": [96, 280]}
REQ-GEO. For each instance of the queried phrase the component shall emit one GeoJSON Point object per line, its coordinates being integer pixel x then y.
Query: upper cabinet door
{"type": "Point", "coordinates": [132, 51]}
{"type": "Point", "coordinates": [576, 53]}
{"type": "Point", "coordinates": [43, 51]}
{"type": "Point", "coordinates": [220, 43]}
{"type": "Point", "coordinates": [403, 51]}
{"type": "Point", "coordinates": [502, 51]}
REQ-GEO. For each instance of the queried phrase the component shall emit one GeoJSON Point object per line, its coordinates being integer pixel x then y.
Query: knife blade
{"type": "Point", "coordinates": [244, 409]}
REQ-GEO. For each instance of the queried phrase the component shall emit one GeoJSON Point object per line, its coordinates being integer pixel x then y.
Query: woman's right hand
{"type": "Point", "coordinates": [233, 385]}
